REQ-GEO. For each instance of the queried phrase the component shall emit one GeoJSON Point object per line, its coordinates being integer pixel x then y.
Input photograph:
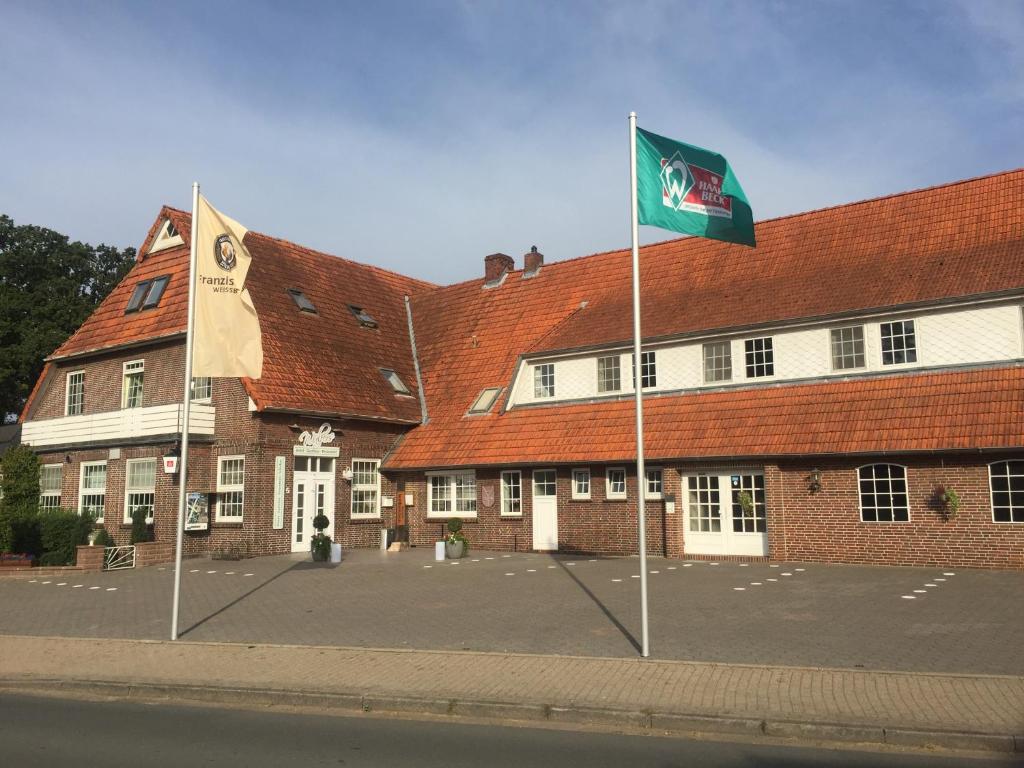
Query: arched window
{"type": "Point", "coordinates": [883, 493]}
{"type": "Point", "coordinates": [1006, 479]}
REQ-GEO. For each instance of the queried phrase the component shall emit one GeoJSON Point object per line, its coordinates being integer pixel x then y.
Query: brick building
{"type": "Point", "coordinates": [810, 399]}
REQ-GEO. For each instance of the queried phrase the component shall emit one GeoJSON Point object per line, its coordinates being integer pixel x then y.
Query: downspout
{"type": "Point", "coordinates": [424, 417]}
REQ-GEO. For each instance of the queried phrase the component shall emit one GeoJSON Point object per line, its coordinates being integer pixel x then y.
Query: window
{"type": "Point", "coordinates": [147, 294]}
{"type": "Point", "coordinates": [648, 370]}
{"type": "Point", "coordinates": [615, 483]}
{"type": "Point", "coordinates": [898, 343]}
{"type": "Point", "coordinates": [544, 380]}
{"type": "Point", "coordinates": [365, 488]}
{"type": "Point", "coordinates": [202, 388]}
{"type": "Point", "coordinates": [92, 489]}
{"type": "Point", "coordinates": [653, 487]}
{"type": "Point", "coordinates": [718, 361]}
{"type": "Point", "coordinates": [302, 301]}
{"type": "Point", "coordinates": [848, 347]}
{"type": "Point", "coordinates": [545, 482]}
{"type": "Point", "coordinates": [1007, 481]}
{"type": "Point", "coordinates": [581, 483]}
{"type": "Point", "coordinates": [452, 495]}
{"type": "Point", "coordinates": [609, 374]}
{"type": "Point", "coordinates": [511, 493]}
{"type": "Point", "coordinates": [365, 318]}
{"type": "Point", "coordinates": [139, 487]}
{"type": "Point", "coordinates": [883, 494]}
{"type": "Point", "coordinates": [230, 488]}
{"type": "Point", "coordinates": [74, 394]}
{"type": "Point", "coordinates": [704, 504]}
{"type": "Point", "coordinates": [760, 357]}
{"type": "Point", "coordinates": [751, 519]}
{"type": "Point", "coordinates": [395, 381]}
{"type": "Point", "coordinates": [50, 476]}
{"type": "Point", "coordinates": [485, 400]}
{"type": "Point", "coordinates": [131, 385]}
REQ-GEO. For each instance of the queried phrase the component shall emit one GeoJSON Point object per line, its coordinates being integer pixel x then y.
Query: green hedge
{"type": "Point", "coordinates": [60, 532]}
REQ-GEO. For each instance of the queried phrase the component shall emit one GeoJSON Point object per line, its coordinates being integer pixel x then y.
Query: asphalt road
{"type": "Point", "coordinates": [59, 732]}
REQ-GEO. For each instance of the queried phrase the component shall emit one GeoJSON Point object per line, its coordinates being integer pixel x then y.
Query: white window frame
{"type": "Point", "coordinates": [907, 351]}
{"type": "Point", "coordinates": [223, 488]}
{"type": "Point", "coordinates": [832, 348]}
{"type": "Point", "coordinates": [46, 496]}
{"type": "Point", "coordinates": [374, 487]}
{"type": "Point", "coordinates": [992, 497]}
{"type": "Point", "coordinates": [608, 494]}
{"type": "Point", "coordinates": [130, 368]}
{"type": "Point", "coordinates": [576, 494]}
{"type": "Point", "coordinates": [83, 491]}
{"type": "Point", "coordinates": [766, 353]}
{"type": "Point", "coordinates": [129, 491]}
{"type": "Point", "coordinates": [713, 347]}
{"type": "Point", "coordinates": [453, 495]}
{"type": "Point", "coordinates": [541, 390]}
{"type": "Point", "coordinates": [609, 373]}
{"type": "Point", "coordinates": [67, 394]}
{"type": "Point", "coordinates": [649, 370]}
{"type": "Point", "coordinates": [860, 495]}
{"type": "Point", "coordinates": [204, 398]}
{"type": "Point", "coordinates": [647, 484]}
{"type": "Point", "coordinates": [514, 502]}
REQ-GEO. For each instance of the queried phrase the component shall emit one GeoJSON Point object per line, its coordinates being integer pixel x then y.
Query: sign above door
{"type": "Point", "coordinates": [315, 443]}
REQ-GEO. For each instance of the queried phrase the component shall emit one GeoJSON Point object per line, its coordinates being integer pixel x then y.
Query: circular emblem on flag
{"type": "Point", "coordinates": [224, 252]}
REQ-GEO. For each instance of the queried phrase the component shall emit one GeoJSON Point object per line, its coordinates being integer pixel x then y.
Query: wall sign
{"type": "Point", "coordinates": [279, 467]}
{"type": "Point", "coordinates": [315, 443]}
{"type": "Point", "coordinates": [197, 518]}
{"type": "Point", "coordinates": [171, 465]}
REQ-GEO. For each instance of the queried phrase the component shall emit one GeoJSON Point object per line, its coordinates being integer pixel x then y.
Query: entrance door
{"type": "Point", "coordinates": [545, 511]}
{"type": "Point", "coordinates": [725, 514]}
{"type": "Point", "coordinates": [313, 494]}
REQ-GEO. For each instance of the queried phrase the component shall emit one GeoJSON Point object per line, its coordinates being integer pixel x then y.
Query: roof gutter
{"type": "Point", "coordinates": [424, 416]}
{"type": "Point", "coordinates": [337, 415]}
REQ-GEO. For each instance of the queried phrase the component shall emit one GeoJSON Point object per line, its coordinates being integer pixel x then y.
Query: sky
{"type": "Point", "coordinates": [421, 136]}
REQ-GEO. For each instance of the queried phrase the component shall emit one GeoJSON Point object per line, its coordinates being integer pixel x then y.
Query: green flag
{"type": "Point", "coordinates": [690, 190]}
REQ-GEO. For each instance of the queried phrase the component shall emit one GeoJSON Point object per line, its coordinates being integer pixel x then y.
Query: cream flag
{"type": "Point", "coordinates": [227, 339]}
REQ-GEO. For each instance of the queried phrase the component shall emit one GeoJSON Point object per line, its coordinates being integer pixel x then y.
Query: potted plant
{"type": "Point", "coordinates": [949, 501]}
{"type": "Point", "coordinates": [455, 546]}
{"type": "Point", "coordinates": [320, 544]}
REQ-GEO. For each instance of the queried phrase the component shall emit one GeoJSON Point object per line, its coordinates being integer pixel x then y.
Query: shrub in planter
{"type": "Point", "coordinates": [455, 545]}
{"type": "Point", "coordinates": [61, 531]}
{"type": "Point", "coordinates": [141, 530]}
{"type": "Point", "coordinates": [320, 544]}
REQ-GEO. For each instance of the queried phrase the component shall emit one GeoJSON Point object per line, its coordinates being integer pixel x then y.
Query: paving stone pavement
{"type": "Point", "coordinates": [787, 614]}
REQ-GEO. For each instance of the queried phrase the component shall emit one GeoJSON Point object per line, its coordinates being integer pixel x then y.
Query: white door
{"type": "Point", "coordinates": [313, 494]}
{"type": "Point", "coordinates": [717, 520]}
{"type": "Point", "coordinates": [545, 510]}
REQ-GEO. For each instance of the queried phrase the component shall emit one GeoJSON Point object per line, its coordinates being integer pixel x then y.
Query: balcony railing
{"type": "Point", "coordinates": [118, 425]}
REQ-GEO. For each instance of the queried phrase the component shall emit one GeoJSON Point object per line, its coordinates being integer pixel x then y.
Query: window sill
{"type": "Point", "coordinates": [512, 515]}
{"type": "Point", "coordinates": [616, 498]}
{"type": "Point", "coordinates": [364, 518]}
{"type": "Point", "coordinates": [580, 498]}
{"type": "Point", "coordinates": [450, 515]}
{"type": "Point", "coordinates": [226, 524]}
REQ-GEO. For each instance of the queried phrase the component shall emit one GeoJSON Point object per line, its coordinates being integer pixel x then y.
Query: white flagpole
{"type": "Point", "coordinates": [641, 475]}
{"type": "Point", "coordinates": [186, 406]}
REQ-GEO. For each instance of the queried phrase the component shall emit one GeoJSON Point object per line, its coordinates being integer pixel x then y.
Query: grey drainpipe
{"type": "Point", "coordinates": [424, 417]}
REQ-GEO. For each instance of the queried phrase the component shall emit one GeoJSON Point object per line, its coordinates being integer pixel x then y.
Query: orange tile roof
{"type": "Point", "coordinates": [948, 411]}
{"type": "Point", "coordinates": [957, 240]}
{"type": "Point", "coordinates": [324, 363]}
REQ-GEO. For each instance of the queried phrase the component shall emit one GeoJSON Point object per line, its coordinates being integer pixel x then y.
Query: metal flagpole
{"type": "Point", "coordinates": [641, 476]}
{"type": "Point", "coordinates": [187, 402]}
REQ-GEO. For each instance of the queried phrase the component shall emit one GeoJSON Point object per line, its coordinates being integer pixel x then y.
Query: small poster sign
{"type": "Point", "coordinates": [197, 517]}
{"type": "Point", "coordinates": [170, 465]}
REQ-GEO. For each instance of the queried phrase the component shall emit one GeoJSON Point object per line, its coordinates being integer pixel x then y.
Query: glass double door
{"type": "Point", "coordinates": [725, 514]}
{"type": "Point", "coordinates": [312, 495]}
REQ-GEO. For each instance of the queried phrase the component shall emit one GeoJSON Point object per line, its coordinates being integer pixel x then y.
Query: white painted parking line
{"type": "Point", "coordinates": [510, 574]}
{"type": "Point", "coordinates": [552, 566]}
{"type": "Point", "coordinates": [787, 573]}
{"type": "Point", "coordinates": [909, 597]}
{"type": "Point", "coordinates": [950, 573]}
{"type": "Point", "coordinates": [506, 555]}
{"type": "Point", "coordinates": [111, 589]}
{"type": "Point", "coordinates": [477, 560]}
{"type": "Point", "coordinates": [655, 571]}
{"type": "Point", "coordinates": [800, 569]}
{"type": "Point", "coordinates": [687, 565]}
{"type": "Point", "coordinates": [616, 579]}
{"type": "Point", "coordinates": [531, 570]}
{"type": "Point", "coordinates": [194, 570]}
{"type": "Point", "coordinates": [229, 573]}
{"type": "Point", "coordinates": [428, 566]}
{"type": "Point", "coordinates": [591, 561]}
{"type": "Point", "coordinates": [250, 574]}
{"type": "Point", "coordinates": [161, 569]}
{"type": "Point", "coordinates": [773, 566]}
{"type": "Point", "coordinates": [931, 585]}
{"type": "Point", "coordinates": [712, 563]}
{"type": "Point", "coordinates": [454, 562]}
{"type": "Point", "coordinates": [744, 565]}
{"type": "Point", "coordinates": [211, 571]}
{"type": "Point", "coordinates": [740, 589]}
{"type": "Point", "coordinates": [671, 567]}
{"type": "Point", "coordinates": [940, 579]}
{"type": "Point", "coordinates": [570, 563]}
{"type": "Point", "coordinates": [62, 584]}
{"type": "Point", "coordinates": [47, 582]}
{"type": "Point", "coordinates": [486, 558]}
{"type": "Point", "coordinates": [78, 586]}
{"type": "Point", "coordinates": [93, 587]}
{"type": "Point", "coordinates": [771, 579]}
{"type": "Point", "coordinates": [32, 581]}
{"type": "Point", "coordinates": [635, 576]}
{"type": "Point", "coordinates": [755, 583]}
{"type": "Point", "coordinates": [920, 591]}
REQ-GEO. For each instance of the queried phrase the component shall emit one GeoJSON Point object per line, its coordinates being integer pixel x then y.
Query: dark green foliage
{"type": "Point", "coordinates": [20, 502]}
{"type": "Point", "coordinates": [60, 532]}
{"type": "Point", "coordinates": [454, 525]}
{"type": "Point", "coordinates": [321, 548]}
{"type": "Point", "coordinates": [320, 522]}
{"type": "Point", "coordinates": [141, 530]}
{"type": "Point", "coordinates": [455, 534]}
{"type": "Point", "coordinates": [48, 287]}
{"type": "Point", "coordinates": [103, 539]}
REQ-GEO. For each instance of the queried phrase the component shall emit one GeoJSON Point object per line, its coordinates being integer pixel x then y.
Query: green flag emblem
{"type": "Point", "coordinates": [690, 190]}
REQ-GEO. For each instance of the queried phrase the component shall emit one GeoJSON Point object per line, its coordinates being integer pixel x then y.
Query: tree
{"type": "Point", "coordinates": [19, 502]}
{"type": "Point", "coordinates": [48, 287]}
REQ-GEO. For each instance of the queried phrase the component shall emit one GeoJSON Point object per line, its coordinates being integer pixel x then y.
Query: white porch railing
{"type": "Point", "coordinates": [117, 425]}
{"type": "Point", "coordinates": [116, 558]}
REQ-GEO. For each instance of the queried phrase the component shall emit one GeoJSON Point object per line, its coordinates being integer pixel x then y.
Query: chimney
{"type": "Point", "coordinates": [496, 265]}
{"type": "Point", "coordinates": [532, 262]}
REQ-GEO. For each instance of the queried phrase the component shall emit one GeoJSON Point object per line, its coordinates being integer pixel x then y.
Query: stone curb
{"type": "Point", "coordinates": [674, 723]}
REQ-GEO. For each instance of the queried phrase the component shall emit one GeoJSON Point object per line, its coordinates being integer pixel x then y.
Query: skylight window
{"type": "Point", "coordinates": [302, 301]}
{"type": "Point", "coordinates": [365, 318]}
{"type": "Point", "coordinates": [485, 400]}
{"type": "Point", "coordinates": [395, 381]}
{"type": "Point", "coordinates": [147, 294]}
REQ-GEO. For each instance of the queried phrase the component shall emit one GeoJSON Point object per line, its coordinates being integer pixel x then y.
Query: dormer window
{"type": "Point", "coordinates": [485, 400]}
{"type": "Point", "coordinates": [395, 381]}
{"type": "Point", "coordinates": [302, 301]}
{"type": "Point", "coordinates": [365, 318]}
{"type": "Point", "coordinates": [147, 294]}
{"type": "Point", "coordinates": [167, 237]}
